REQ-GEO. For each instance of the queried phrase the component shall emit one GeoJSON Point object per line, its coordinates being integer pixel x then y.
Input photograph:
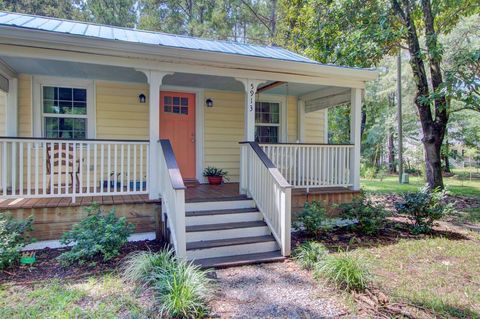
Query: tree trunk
{"type": "Point", "coordinates": [392, 168]}
{"type": "Point", "coordinates": [433, 130]}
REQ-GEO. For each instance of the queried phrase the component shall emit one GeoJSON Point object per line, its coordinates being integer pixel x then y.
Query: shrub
{"type": "Point", "coordinates": [345, 271]}
{"type": "Point", "coordinates": [138, 267]}
{"type": "Point", "coordinates": [180, 289]}
{"type": "Point", "coordinates": [98, 234]}
{"type": "Point", "coordinates": [423, 208]}
{"type": "Point", "coordinates": [312, 218]}
{"type": "Point", "coordinates": [369, 217]}
{"type": "Point", "coordinates": [309, 254]}
{"type": "Point", "coordinates": [12, 238]}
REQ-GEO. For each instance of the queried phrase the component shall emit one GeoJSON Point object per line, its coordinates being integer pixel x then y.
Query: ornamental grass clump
{"type": "Point", "coordinates": [309, 254]}
{"type": "Point", "coordinates": [345, 271]}
{"type": "Point", "coordinates": [180, 288]}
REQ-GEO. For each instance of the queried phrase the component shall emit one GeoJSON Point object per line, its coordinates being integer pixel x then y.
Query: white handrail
{"type": "Point", "coordinates": [312, 165]}
{"type": "Point", "coordinates": [38, 168]}
{"type": "Point", "coordinates": [271, 192]}
{"type": "Point", "coordinates": [172, 192]}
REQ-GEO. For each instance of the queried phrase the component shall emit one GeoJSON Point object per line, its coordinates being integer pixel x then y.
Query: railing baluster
{"type": "Point", "coordinates": [109, 167]}
{"type": "Point", "coordinates": [141, 168]}
{"type": "Point", "coordinates": [121, 167]}
{"type": "Point", "coordinates": [88, 190]}
{"type": "Point", "coordinates": [36, 167]}
{"type": "Point", "coordinates": [68, 147]}
{"type": "Point", "coordinates": [115, 177]}
{"type": "Point", "coordinates": [102, 168]}
{"type": "Point", "coordinates": [128, 168]}
{"type": "Point", "coordinates": [134, 168]}
{"type": "Point", "coordinates": [95, 180]}
{"type": "Point", "coordinates": [20, 170]}
{"type": "Point", "coordinates": [14, 167]}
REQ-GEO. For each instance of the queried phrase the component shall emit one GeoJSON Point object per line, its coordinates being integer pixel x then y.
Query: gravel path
{"type": "Point", "coordinates": [278, 290]}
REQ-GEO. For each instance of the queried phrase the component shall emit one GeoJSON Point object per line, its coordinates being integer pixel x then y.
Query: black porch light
{"type": "Point", "coordinates": [142, 98]}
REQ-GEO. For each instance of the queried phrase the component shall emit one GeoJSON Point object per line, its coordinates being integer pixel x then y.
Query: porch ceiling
{"type": "Point", "coordinates": [123, 74]}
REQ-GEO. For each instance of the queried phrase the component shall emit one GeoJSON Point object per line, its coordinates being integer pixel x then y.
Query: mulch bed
{"type": "Point", "coordinates": [47, 267]}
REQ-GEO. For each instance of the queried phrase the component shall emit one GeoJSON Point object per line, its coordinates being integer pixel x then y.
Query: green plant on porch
{"type": "Point", "coordinates": [424, 207]}
{"type": "Point", "coordinates": [13, 237]}
{"type": "Point", "coordinates": [215, 175]}
{"type": "Point", "coordinates": [369, 217]}
{"type": "Point", "coordinates": [312, 219]}
{"type": "Point", "coordinates": [99, 234]}
{"type": "Point", "coordinates": [180, 288]}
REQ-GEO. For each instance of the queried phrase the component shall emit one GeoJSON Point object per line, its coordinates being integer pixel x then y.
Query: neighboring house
{"type": "Point", "coordinates": [127, 117]}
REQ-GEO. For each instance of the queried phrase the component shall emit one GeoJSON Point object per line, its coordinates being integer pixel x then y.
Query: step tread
{"type": "Point", "coordinates": [224, 226]}
{"type": "Point", "coordinates": [228, 242]}
{"type": "Point", "coordinates": [218, 199]}
{"type": "Point", "coordinates": [239, 260]}
{"type": "Point", "coordinates": [221, 212]}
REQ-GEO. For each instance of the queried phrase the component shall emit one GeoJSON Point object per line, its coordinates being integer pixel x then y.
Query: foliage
{"type": "Point", "coordinates": [180, 288]}
{"type": "Point", "coordinates": [213, 171]}
{"type": "Point", "coordinates": [308, 254]}
{"type": "Point", "coordinates": [370, 217]}
{"type": "Point", "coordinates": [424, 207]}
{"type": "Point", "coordinates": [13, 237]}
{"type": "Point", "coordinates": [344, 270]}
{"type": "Point", "coordinates": [312, 218]}
{"type": "Point", "coordinates": [65, 9]}
{"type": "Point", "coordinates": [138, 267]}
{"type": "Point", "coordinates": [98, 234]}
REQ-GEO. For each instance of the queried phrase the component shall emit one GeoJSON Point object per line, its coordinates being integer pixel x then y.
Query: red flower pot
{"type": "Point", "coordinates": [215, 180]}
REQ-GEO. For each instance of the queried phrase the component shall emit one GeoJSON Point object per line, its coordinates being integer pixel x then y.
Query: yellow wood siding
{"type": "Point", "coordinates": [25, 105]}
{"type": "Point", "coordinates": [224, 124]}
{"type": "Point", "coordinates": [314, 127]}
{"type": "Point", "coordinates": [292, 119]}
{"type": "Point", "coordinates": [3, 100]}
{"type": "Point", "coordinates": [119, 115]}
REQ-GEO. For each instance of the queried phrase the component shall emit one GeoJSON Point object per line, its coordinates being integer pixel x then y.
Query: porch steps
{"type": "Point", "coordinates": [229, 232]}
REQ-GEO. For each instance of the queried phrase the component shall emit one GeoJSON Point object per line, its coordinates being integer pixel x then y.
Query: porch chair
{"type": "Point", "coordinates": [59, 153]}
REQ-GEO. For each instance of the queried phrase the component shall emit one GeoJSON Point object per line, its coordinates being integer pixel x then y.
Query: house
{"type": "Point", "coordinates": [131, 118]}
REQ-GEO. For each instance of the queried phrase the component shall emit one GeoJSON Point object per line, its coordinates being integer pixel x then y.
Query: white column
{"type": "Point", "coordinates": [355, 137]}
{"type": "Point", "coordinates": [251, 86]}
{"type": "Point", "coordinates": [155, 81]}
{"type": "Point", "coordinates": [301, 120]}
{"type": "Point", "coordinates": [11, 109]}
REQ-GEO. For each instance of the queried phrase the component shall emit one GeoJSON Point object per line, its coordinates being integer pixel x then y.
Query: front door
{"type": "Point", "coordinates": [177, 124]}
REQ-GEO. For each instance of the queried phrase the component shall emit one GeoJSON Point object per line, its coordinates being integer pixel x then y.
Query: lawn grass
{"type": "Point", "coordinates": [105, 296]}
{"type": "Point", "coordinates": [437, 274]}
{"type": "Point", "coordinates": [390, 185]}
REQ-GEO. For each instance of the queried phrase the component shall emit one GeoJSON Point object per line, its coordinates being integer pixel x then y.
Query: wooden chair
{"type": "Point", "coordinates": [57, 155]}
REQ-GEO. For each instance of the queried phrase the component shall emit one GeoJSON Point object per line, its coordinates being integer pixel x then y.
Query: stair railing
{"type": "Point", "coordinates": [262, 181]}
{"type": "Point", "coordinates": [172, 192]}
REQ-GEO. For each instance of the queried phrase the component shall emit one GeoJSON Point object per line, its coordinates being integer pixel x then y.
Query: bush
{"type": "Point", "coordinates": [369, 216]}
{"type": "Point", "coordinates": [312, 218]}
{"type": "Point", "coordinates": [309, 254]}
{"type": "Point", "coordinates": [98, 234]}
{"type": "Point", "coordinates": [12, 239]}
{"type": "Point", "coordinates": [423, 208]}
{"type": "Point", "coordinates": [180, 289]}
{"type": "Point", "coordinates": [138, 267]}
{"type": "Point", "coordinates": [345, 271]}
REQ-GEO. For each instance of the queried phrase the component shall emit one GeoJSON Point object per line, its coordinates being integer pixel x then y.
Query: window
{"type": "Point", "coordinates": [175, 104]}
{"type": "Point", "coordinates": [267, 122]}
{"type": "Point", "coordinates": [64, 112]}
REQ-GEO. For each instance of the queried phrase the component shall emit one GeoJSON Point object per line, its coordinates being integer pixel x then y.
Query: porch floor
{"type": "Point", "coordinates": [197, 193]}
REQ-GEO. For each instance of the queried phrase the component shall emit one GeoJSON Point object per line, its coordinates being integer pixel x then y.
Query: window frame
{"type": "Point", "coordinates": [282, 125]}
{"type": "Point", "coordinates": [38, 114]}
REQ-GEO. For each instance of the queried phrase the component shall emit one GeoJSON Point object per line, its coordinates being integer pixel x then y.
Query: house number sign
{"type": "Point", "coordinates": [251, 100]}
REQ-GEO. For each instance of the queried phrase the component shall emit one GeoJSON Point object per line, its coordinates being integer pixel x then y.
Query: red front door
{"type": "Point", "coordinates": [177, 124]}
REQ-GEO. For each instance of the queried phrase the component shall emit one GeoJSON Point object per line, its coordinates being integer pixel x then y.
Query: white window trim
{"type": "Point", "coordinates": [282, 101]}
{"type": "Point", "coordinates": [37, 101]}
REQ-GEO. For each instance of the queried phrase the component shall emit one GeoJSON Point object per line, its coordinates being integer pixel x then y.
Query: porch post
{"type": "Point", "coordinates": [11, 109]}
{"type": "Point", "coordinates": [155, 81]}
{"type": "Point", "coordinates": [355, 136]}
{"type": "Point", "coordinates": [301, 120]}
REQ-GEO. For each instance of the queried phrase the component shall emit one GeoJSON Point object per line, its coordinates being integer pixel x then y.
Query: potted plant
{"type": "Point", "coordinates": [215, 175]}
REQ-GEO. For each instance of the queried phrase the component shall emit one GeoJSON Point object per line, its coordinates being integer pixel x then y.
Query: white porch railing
{"type": "Point", "coordinates": [172, 191]}
{"type": "Point", "coordinates": [261, 180]}
{"type": "Point", "coordinates": [312, 165]}
{"type": "Point", "coordinates": [34, 168]}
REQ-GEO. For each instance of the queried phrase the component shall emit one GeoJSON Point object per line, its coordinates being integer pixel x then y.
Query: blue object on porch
{"type": "Point", "coordinates": [137, 185]}
{"type": "Point", "coordinates": [91, 30]}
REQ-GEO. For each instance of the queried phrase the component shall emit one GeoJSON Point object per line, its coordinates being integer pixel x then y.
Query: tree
{"type": "Point", "coordinates": [361, 32]}
{"type": "Point", "coordinates": [65, 9]}
{"type": "Point", "coordinates": [120, 13]}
